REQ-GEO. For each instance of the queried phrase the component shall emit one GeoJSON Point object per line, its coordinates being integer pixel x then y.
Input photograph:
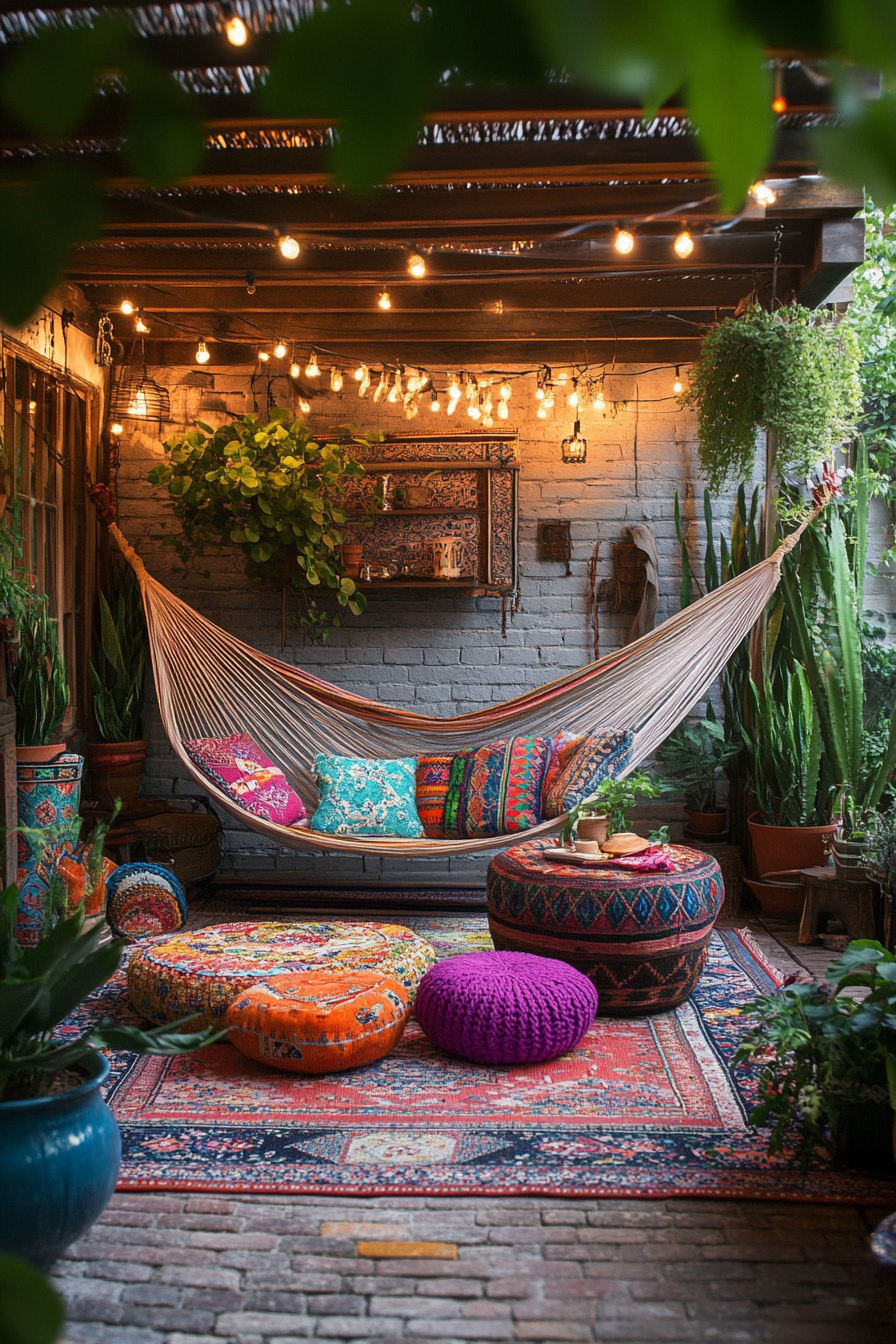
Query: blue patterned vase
{"type": "Point", "coordinates": [48, 800]}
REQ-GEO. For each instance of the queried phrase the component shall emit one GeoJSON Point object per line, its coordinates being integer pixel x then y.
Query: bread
{"type": "Point", "coordinates": [623, 844]}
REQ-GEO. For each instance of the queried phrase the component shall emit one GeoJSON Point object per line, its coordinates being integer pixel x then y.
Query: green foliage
{"type": "Point", "coordinates": [37, 679]}
{"type": "Point", "coordinates": [121, 653]}
{"type": "Point", "coordinates": [872, 316]}
{"type": "Point", "coordinates": [269, 488]}
{"type": "Point", "coordinates": [31, 1310]}
{"type": "Point", "coordinates": [794, 371]}
{"type": "Point", "coordinates": [822, 1049]}
{"type": "Point", "coordinates": [880, 848]}
{"type": "Point", "coordinates": [41, 985]}
{"type": "Point", "coordinates": [783, 748]}
{"type": "Point", "coordinates": [693, 756]}
{"type": "Point", "coordinates": [616, 797]}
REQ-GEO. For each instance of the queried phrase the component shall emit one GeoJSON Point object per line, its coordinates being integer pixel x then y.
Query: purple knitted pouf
{"type": "Point", "coordinates": [505, 1007]}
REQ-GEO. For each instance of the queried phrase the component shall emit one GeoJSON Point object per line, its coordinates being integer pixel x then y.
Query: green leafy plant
{"type": "Point", "coordinates": [615, 797]}
{"type": "Point", "coordinates": [793, 372]}
{"type": "Point", "coordinates": [694, 756]}
{"type": "Point", "coordinates": [41, 985]}
{"type": "Point", "coordinates": [783, 748]}
{"type": "Point", "coordinates": [31, 1310]}
{"type": "Point", "coordinates": [270, 488]}
{"type": "Point", "coordinates": [121, 654]}
{"type": "Point", "coordinates": [821, 1050]}
{"type": "Point", "coordinates": [37, 675]}
{"type": "Point", "coordinates": [880, 848]}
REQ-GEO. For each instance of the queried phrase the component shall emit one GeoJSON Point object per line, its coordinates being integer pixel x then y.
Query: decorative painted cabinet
{"type": "Point", "coordinates": [469, 484]}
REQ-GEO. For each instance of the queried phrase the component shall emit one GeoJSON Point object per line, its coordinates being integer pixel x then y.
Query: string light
{"type": "Point", "coordinates": [683, 245]}
{"type": "Point", "coordinates": [312, 368]}
{"type": "Point", "coordinates": [384, 301]}
{"type": "Point", "coordinates": [289, 247]}
{"type": "Point", "coordinates": [549, 400]}
{"type": "Point", "coordinates": [541, 412]}
{"type": "Point", "coordinates": [304, 406]}
{"type": "Point", "coordinates": [264, 356]}
{"type": "Point", "coordinates": [779, 102]}
{"type": "Point", "coordinates": [416, 266]}
{"type": "Point", "coordinates": [396, 390]}
{"type": "Point", "coordinates": [127, 307]}
{"type": "Point", "coordinates": [359, 372]}
{"type": "Point", "coordinates": [336, 380]}
{"type": "Point", "coordinates": [364, 383]}
{"type": "Point", "coordinates": [279, 350]}
{"type": "Point", "coordinates": [573, 398]}
{"type": "Point", "coordinates": [502, 409]}
{"type": "Point", "coordinates": [624, 242]}
{"type": "Point", "coordinates": [380, 387]}
{"type": "Point", "coordinates": [202, 354]}
{"type": "Point", "coordinates": [505, 391]}
{"type": "Point", "coordinates": [575, 448]}
{"type": "Point", "coordinates": [294, 370]}
{"type": "Point", "coordinates": [414, 383]}
{"type": "Point", "coordinates": [434, 403]}
{"type": "Point", "coordinates": [763, 194]}
{"type": "Point", "coordinates": [473, 410]}
{"type": "Point", "coordinates": [597, 402]}
{"type": "Point", "coordinates": [116, 428]}
{"type": "Point", "coordinates": [677, 386]}
{"type": "Point", "coordinates": [562, 378]}
{"type": "Point", "coordinates": [140, 325]}
{"type": "Point", "coordinates": [236, 32]}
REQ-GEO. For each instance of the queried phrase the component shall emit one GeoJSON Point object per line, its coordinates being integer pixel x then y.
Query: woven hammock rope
{"type": "Point", "coordinates": [210, 684]}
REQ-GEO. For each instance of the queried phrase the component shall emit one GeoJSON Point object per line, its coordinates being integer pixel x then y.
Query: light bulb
{"type": "Point", "coordinates": [487, 421]}
{"type": "Point", "coordinates": [683, 245]}
{"type": "Point", "coordinates": [127, 307]}
{"type": "Point", "coordinates": [598, 404]}
{"type": "Point", "coordinates": [289, 247]}
{"type": "Point", "coordinates": [294, 370]}
{"type": "Point", "coordinates": [452, 405]}
{"type": "Point", "coordinates": [263, 356]}
{"type": "Point", "coordinates": [624, 241]}
{"type": "Point", "coordinates": [548, 401]}
{"type": "Point", "coordinates": [140, 325]}
{"type": "Point", "coordinates": [312, 368]}
{"type": "Point", "coordinates": [416, 266]}
{"type": "Point", "coordinates": [395, 391]}
{"type": "Point", "coordinates": [137, 407]}
{"type": "Point", "coordinates": [561, 379]}
{"type": "Point", "coordinates": [505, 391]}
{"type": "Point", "coordinates": [202, 354]}
{"type": "Point", "coordinates": [359, 372]}
{"type": "Point", "coordinates": [473, 411]}
{"type": "Point", "coordinates": [336, 380]}
{"type": "Point", "coordinates": [779, 104]}
{"type": "Point", "coordinates": [539, 394]}
{"type": "Point", "coordinates": [502, 410]}
{"type": "Point", "coordinates": [677, 385]}
{"type": "Point", "coordinates": [573, 398]}
{"type": "Point", "coordinates": [279, 350]}
{"type": "Point", "coordinates": [434, 403]}
{"type": "Point", "coordinates": [116, 428]}
{"type": "Point", "coordinates": [364, 383]}
{"type": "Point", "coordinates": [236, 32]}
{"type": "Point", "coordinates": [541, 412]}
{"type": "Point", "coordinates": [413, 383]}
{"type": "Point", "coordinates": [380, 387]}
{"type": "Point", "coordinates": [304, 406]}
{"type": "Point", "coordinates": [411, 408]}
{"type": "Point", "coordinates": [384, 301]}
{"type": "Point", "coordinates": [762, 194]}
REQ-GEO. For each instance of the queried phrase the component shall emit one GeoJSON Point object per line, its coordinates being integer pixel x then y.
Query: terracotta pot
{"type": "Point", "coordinates": [594, 828]}
{"type": "Point", "coordinates": [707, 823]}
{"type": "Point", "coordinates": [116, 769]}
{"type": "Point", "coordinates": [778, 849]}
{"type": "Point", "coordinates": [40, 755]}
{"type": "Point", "coordinates": [351, 559]}
{"type": "Point", "coordinates": [778, 900]}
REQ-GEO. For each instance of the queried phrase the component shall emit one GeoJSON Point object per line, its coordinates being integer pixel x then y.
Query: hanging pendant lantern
{"type": "Point", "coordinates": [575, 448]}
{"type": "Point", "coordinates": [139, 398]}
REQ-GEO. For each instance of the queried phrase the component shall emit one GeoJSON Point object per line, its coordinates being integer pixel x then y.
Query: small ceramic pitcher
{"type": "Point", "coordinates": [446, 558]}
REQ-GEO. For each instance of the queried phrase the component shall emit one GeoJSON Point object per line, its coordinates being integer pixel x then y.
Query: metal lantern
{"type": "Point", "coordinates": [139, 398]}
{"type": "Point", "coordinates": [575, 448]}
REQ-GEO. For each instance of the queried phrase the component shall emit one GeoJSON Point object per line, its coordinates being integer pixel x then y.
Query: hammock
{"type": "Point", "coordinates": [210, 684]}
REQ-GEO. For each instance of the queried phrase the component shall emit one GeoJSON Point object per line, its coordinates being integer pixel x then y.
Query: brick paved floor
{"type": "Point", "coordinates": [191, 1269]}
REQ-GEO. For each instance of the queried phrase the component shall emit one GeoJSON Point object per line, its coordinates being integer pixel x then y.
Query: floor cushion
{"type": "Point", "coordinates": [203, 971]}
{"type": "Point", "coordinates": [319, 1021]}
{"type": "Point", "coordinates": [583, 763]}
{"type": "Point", "coordinates": [496, 789]}
{"type": "Point", "coordinates": [359, 796]}
{"type": "Point", "coordinates": [433, 776]}
{"type": "Point", "coordinates": [242, 770]}
{"type": "Point", "coordinates": [505, 1007]}
{"type": "Point", "coordinates": [144, 899]}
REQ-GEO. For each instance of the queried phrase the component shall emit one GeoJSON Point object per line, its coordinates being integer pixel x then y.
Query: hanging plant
{"type": "Point", "coordinates": [270, 488]}
{"type": "Point", "coordinates": [793, 372]}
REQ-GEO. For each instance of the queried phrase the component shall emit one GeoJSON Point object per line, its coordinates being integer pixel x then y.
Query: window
{"type": "Point", "coordinates": [47, 421]}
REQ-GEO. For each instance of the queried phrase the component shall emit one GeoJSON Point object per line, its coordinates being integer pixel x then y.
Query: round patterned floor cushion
{"type": "Point", "coordinates": [320, 1021]}
{"type": "Point", "coordinates": [144, 899]}
{"type": "Point", "coordinates": [505, 1007]}
{"type": "Point", "coordinates": [200, 973]}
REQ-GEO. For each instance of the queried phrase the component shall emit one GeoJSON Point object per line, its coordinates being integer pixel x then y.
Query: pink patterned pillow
{"type": "Point", "coordinates": [239, 767]}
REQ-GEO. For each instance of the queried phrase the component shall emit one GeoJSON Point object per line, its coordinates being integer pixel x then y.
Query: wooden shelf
{"type": "Point", "coordinates": [470, 587]}
{"type": "Point", "coordinates": [424, 513]}
{"type": "Point", "coordinates": [434, 465]}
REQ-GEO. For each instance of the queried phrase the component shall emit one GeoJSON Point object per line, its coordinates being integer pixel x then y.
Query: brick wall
{"type": "Point", "coordinates": [442, 654]}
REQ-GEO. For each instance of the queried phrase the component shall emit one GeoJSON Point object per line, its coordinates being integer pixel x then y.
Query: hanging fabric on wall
{"type": "Point", "coordinates": [645, 618]}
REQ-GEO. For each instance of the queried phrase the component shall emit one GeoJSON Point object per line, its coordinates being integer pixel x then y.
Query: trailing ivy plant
{"type": "Point", "coordinates": [268, 487]}
{"type": "Point", "coordinates": [793, 372]}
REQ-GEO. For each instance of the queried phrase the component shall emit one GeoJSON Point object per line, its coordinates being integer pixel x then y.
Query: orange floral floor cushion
{"type": "Point", "coordinates": [320, 1021]}
{"type": "Point", "coordinates": [198, 974]}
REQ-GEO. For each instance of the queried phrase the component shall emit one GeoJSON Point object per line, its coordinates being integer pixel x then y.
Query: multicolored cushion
{"type": "Point", "coordinates": [144, 899]}
{"type": "Point", "coordinates": [240, 767]}
{"type": "Point", "coordinates": [559, 751]}
{"type": "Point", "coordinates": [320, 1021]}
{"type": "Point", "coordinates": [496, 789]}
{"type": "Point", "coordinates": [366, 797]}
{"type": "Point", "coordinates": [202, 972]}
{"type": "Point", "coordinates": [433, 778]}
{"type": "Point", "coordinates": [585, 762]}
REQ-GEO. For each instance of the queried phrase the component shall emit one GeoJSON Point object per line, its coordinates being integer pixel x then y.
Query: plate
{"type": "Point", "coordinates": [559, 855]}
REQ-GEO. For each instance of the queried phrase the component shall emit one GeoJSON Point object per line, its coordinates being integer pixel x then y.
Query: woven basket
{"type": "Point", "coordinates": [189, 843]}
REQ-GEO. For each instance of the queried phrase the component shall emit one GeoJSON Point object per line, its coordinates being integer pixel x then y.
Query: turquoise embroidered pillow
{"type": "Point", "coordinates": [364, 797]}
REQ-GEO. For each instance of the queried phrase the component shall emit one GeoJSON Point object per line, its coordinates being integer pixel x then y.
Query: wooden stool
{"type": "Point", "coordinates": [827, 894]}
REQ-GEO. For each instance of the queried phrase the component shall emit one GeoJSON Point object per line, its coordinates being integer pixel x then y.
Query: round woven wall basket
{"type": "Point", "coordinates": [189, 843]}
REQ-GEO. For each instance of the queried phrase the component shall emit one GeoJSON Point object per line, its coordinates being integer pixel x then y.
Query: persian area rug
{"type": "Point", "coordinates": [271, 900]}
{"type": "Point", "coordinates": [647, 1107]}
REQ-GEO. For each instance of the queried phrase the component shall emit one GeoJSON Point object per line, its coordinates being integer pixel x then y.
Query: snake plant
{"type": "Point", "coordinates": [37, 678]}
{"type": "Point", "coordinates": [120, 668]}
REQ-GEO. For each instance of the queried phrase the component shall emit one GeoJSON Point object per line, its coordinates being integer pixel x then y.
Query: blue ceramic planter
{"type": "Point", "coordinates": [59, 1160]}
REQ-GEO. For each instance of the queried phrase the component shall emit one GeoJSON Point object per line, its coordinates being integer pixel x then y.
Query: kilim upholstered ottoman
{"type": "Point", "coordinates": [640, 937]}
{"type": "Point", "coordinates": [202, 972]}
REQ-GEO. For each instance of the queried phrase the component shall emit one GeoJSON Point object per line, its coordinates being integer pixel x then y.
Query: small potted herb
{"type": "Point", "coordinates": [693, 757]}
{"type": "Point", "coordinates": [611, 802]}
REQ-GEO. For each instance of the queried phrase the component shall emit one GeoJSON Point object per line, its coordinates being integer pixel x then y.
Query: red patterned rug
{"type": "Point", "coordinates": [643, 1107]}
